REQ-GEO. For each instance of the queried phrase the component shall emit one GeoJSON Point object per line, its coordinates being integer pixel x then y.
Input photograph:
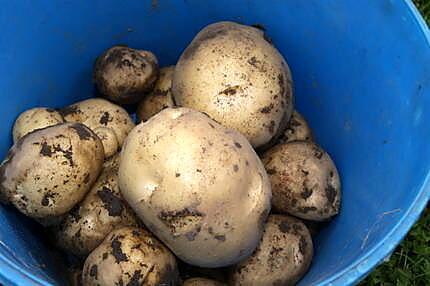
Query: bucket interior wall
{"type": "Point", "coordinates": [361, 73]}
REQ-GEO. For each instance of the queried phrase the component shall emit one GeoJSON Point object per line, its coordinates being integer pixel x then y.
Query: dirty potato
{"type": "Point", "coordinates": [102, 210]}
{"type": "Point", "coordinates": [130, 256]}
{"type": "Point", "coordinates": [304, 180]}
{"type": "Point", "coordinates": [159, 98]}
{"type": "Point", "coordinates": [282, 258]}
{"type": "Point", "coordinates": [35, 118]}
{"type": "Point", "coordinates": [236, 76]}
{"type": "Point", "coordinates": [198, 281]}
{"type": "Point", "coordinates": [124, 75]}
{"type": "Point", "coordinates": [297, 130]}
{"type": "Point", "coordinates": [109, 121]}
{"type": "Point", "coordinates": [198, 186]}
{"type": "Point", "coordinates": [48, 171]}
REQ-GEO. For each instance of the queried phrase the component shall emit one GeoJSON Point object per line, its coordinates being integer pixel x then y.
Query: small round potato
{"type": "Point", "coordinates": [48, 171]}
{"type": "Point", "coordinates": [102, 210]}
{"type": "Point", "coordinates": [124, 75]}
{"type": "Point", "coordinates": [198, 186]}
{"type": "Point", "coordinates": [109, 121]}
{"type": "Point", "coordinates": [297, 130]}
{"type": "Point", "coordinates": [282, 258]}
{"type": "Point", "coordinates": [159, 98]}
{"type": "Point", "coordinates": [232, 73]}
{"type": "Point", "coordinates": [304, 179]}
{"type": "Point", "coordinates": [35, 118]}
{"type": "Point", "coordinates": [198, 281]}
{"type": "Point", "coordinates": [130, 256]}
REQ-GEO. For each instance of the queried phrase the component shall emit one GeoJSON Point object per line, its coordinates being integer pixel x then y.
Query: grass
{"type": "Point", "coordinates": [410, 263]}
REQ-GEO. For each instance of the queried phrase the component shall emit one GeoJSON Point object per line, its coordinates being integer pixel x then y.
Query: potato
{"type": "Point", "coordinates": [159, 98]}
{"type": "Point", "coordinates": [109, 121]}
{"type": "Point", "coordinates": [297, 130]}
{"type": "Point", "coordinates": [232, 73]}
{"type": "Point", "coordinates": [35, 118]}
{"type": "Point", "coordinates": [124, 75]}
{"type": "Point", "coordinates": [198, 186]}
{"type": "Point", "coordinates": [198, 281]}
{"type": "Point", "coordinates": [130, 256]}
{"type": "Point", "coordinates": [304, 180]}
{"type": "Point", "coordinates": [188, 271]}
{"type": "Point", "coordinates": [48, 171]}
{"type": "Point", "coordinates": [282, 258]}
{"type": "Point", "coordinates": [102, 210]}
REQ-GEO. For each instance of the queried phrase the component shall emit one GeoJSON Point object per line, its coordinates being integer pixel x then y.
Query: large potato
{"type": "Point", "coordinates": [130, 256]}
{"type": "Point", "coordinates": [196, 185]}
{"type": "Point", "coordinates": [232, 73]}
{"type": "Point", "coordinates": [109, 121]}
{"type": "Point", "coordinates": [102, 210]}
{"type": "Point", "coordinates": [304, 179]}
{"type": "Point", "coordinates": [48, 171]}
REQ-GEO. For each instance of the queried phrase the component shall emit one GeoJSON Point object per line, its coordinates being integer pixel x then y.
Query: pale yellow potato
{"type": "Point", "coordinates": [232, 73]}
{"type": "Point", "coordinates": [47, 172]}
{"type": "Point", "coordinates": [109, 121]}
{"type": "Point", "coordinates": [297, 129]}
{"type": "Point", "coordinates": [102, 210]}
{"type": "Point", "coordinates": [198, 186]}
{"type": "Point", "coordinates": [33, 119]}
{"type": "Point", "coordinates": [159, 98]}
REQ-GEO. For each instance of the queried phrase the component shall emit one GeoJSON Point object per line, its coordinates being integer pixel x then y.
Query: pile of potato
{"type": "Point", "coordinates": [213, 181]}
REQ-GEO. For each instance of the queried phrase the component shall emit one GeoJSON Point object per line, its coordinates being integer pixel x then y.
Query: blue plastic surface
{"type": "Point", "coordinates": [362, 78]}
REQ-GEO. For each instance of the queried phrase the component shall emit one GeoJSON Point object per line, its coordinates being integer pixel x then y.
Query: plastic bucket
{"type": "Point", "coordinates": [362, 77]}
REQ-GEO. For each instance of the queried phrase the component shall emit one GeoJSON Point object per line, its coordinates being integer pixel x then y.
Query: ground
{"type": "Point", "coordinates": [410, 263]}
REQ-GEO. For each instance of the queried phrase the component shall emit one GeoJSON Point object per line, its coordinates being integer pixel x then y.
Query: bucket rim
{"type": "Point", "coordinates": [12, 274]}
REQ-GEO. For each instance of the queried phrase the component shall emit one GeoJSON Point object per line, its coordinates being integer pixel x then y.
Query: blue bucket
{"type": "Point", "coordinates": [362, 77]}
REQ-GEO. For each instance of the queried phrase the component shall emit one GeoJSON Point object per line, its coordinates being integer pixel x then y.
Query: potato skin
{"type": "Point", "coordinates": [35, 118]}
{"type": "Point", "coordinates": [48, 171]}
{"type": "Point", "coordinates": [297, 130]}
{"type": "Point", "coordinates": [159, 98]}
{"type": "Point", "coordinates": [232, 73]}
{"type": "Point", "coordinates": [102, 210]}
{"type": "Point", "coordinates": [198, 186]}
{"type": "Point", "coordinates": [109, 121]}
{"type": "Point", "coordinates": [130, 256]}
{"type": "Point", "coordinates": [282, 258]}
{"type": "Point", "coordinates": [305, 182]}
{"type": "Point", "coordinates": [201, 282]}
{"type": "Point", "coordinates": [124, 75]}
